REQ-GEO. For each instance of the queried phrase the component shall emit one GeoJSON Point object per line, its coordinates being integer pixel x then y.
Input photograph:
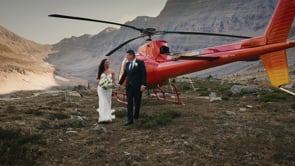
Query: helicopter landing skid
{"type": "Point", "coordinates": [172, 96]}
{"type": "Point", "coordinates": [162, 95]}
{"type": "Point", "coordinates": [120, 96]}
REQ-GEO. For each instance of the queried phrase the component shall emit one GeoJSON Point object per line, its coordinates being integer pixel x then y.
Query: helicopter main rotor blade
{"type": "Point", "coordinates": [203, 33]}
{"type": "Point", "coordinates": [148, 31]}
{"type": "Point", "coordinates": [121, 45]}
{"type": "Point", "coordinates": [94, 20]}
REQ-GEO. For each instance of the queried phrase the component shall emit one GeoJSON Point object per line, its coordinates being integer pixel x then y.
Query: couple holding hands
{"type": "Point", "coordinates": [135, 75]}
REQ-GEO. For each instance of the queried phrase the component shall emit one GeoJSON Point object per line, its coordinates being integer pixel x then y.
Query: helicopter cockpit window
{"type": "Point", "coordinates": [164, 50]}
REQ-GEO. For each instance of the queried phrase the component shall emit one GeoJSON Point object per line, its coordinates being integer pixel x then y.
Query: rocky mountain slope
{"type": "Point", "coordinates": [80, 56]}
{"type": "Point", "coordinates": [22, 66]}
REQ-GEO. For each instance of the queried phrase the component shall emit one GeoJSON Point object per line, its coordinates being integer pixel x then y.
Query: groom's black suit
{"type": "Point", "coordinates": [136, 77]}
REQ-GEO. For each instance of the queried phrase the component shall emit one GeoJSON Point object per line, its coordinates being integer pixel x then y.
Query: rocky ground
{"type": "Point", "coordinates": [59, 128]}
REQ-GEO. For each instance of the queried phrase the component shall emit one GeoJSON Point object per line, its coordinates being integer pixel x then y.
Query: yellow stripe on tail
{"type": "Point", "coordinates": [276, 66]}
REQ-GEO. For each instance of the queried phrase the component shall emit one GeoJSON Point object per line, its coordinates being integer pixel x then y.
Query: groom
{"type": "Point", "coordinates": [136, 82]}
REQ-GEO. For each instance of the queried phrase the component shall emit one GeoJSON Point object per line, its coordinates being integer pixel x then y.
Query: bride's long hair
{"type": "Point", "coordinates": [101, 68]}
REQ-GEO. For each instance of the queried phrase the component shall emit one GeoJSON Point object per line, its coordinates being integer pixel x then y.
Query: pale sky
{"type": "Point", "coordinates": [29, 18]}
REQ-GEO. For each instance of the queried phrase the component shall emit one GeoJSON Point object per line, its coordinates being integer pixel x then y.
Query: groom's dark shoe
{"type": "Point", "coordinates": [128, 123]}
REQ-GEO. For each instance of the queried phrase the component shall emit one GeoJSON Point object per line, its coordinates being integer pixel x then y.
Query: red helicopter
{"type": "Point", "coordinates": [161, 65]}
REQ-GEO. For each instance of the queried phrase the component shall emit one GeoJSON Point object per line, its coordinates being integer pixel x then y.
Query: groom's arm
{"type": "Point", "coordinates": [123, 77]}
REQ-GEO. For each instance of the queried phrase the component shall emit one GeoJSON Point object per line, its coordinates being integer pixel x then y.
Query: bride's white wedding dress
{"type": "Point", "coordinates": [105, 102]}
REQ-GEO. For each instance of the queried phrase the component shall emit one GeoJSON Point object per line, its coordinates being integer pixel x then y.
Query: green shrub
{"type": "Point", "coordinates": [120, 114]}
{"type": "Point", "coordinates": [186, 87]}
{"type": "Point", "coordinates": [16, 148]}
{"type": "Point", "coordinates": [11, 108]}
{"type": "Point", "coordinates": [273, 96]}
{"type": "Point", "coordinates": [34, 112]}
{"type": "Point", "coordinates": [59, 116]}
{"type": "Point", "coordinates": [157, 120]}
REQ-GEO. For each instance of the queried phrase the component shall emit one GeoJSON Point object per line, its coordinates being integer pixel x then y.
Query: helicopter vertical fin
{"type": "Point", "coordinates": [276, 67]}
{"type": "Point", "coordinates": [279, 26]}
{"type": "Point", "coordinates": [275, 63]}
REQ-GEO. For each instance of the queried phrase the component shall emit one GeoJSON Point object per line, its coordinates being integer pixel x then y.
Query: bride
{"type": "Point", "coordinates": [105, 78]}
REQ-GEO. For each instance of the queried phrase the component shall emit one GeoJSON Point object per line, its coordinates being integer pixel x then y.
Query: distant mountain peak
{"type": "Point", "coordinates": [109, 29]}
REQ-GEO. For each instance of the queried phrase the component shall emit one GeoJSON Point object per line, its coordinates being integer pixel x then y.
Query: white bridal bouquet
{"type": "Point", "coordinates": [106, 83]}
